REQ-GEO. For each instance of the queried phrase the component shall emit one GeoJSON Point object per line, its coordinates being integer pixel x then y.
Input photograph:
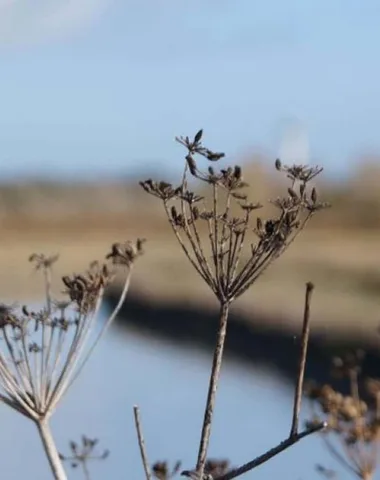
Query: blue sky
{"type": "Point", "coordinates": [101, 87]}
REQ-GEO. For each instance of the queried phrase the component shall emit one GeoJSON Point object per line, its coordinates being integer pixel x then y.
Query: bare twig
{"type": "Point", "coordinates": [302, 360]}
{"type": "Point", "coordinates": [237, 472]}
{"type": "Point", "coordinates": [213, 385]}
{"type": "Point", "coordinates": [144, 456]}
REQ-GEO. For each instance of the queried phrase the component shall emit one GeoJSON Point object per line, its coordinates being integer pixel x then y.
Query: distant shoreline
{"type": "Point", "coordinates": [251, 339]}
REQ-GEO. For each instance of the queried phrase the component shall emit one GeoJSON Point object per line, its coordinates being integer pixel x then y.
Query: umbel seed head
{"type": "Point", "coordinates": [230, 250]}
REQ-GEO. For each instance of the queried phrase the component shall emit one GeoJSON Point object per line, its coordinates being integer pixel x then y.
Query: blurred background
{"type": "Point", "coordinates": [93, 93]}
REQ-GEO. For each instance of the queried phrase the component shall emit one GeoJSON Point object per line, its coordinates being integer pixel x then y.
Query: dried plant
{"type": "Point", "coordinates": [235, 252]}
{"type": "Point", "coordinates": [161, 470]}
{"type": "Point", "coordinates": [82, 454]}
{"type": "Point", "coordinates": [353, 433]}
{"type": "Point", "coordinates": [42, 353]}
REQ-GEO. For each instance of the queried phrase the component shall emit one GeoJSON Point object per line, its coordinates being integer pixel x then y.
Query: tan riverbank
{"type": "Point", "coordinates": [344, 267]}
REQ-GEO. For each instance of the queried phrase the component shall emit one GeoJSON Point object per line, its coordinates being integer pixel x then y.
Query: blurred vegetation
{"type": "Point", "coordinates": [356, 199]}
{"type": "Point", "coordinates": [338, 251]}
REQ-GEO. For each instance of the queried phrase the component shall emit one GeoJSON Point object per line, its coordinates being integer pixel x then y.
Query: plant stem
{"type": "Point", "coordinates": [140, 437]}
{"type": "Point", "coordinates": [237, 472]}
{"type": "Point", "coordinates": [302, 360]}
{"type": "Point", "coordinates": [86, 472]}
{"type": "Point", "coordinates": [213, 385]}
{"type": "Point", "coordinates": [50, 449]}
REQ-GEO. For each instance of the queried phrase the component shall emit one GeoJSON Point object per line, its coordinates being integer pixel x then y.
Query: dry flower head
{"type": "Point", "coordinates": [237, 251]}
{"type": "Point", "coordinates": [353, 432]}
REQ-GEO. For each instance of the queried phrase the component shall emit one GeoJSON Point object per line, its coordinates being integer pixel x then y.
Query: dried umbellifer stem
{"type": "Point", "coordinates": [44, 352]}
{"type": "Point", "coordinates": [235, 253]}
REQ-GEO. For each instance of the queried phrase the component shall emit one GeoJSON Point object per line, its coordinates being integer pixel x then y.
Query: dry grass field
{"type": "Point", "coordinates": [339, 251]}
{"type": "Point", "coordinates": [345, 269]}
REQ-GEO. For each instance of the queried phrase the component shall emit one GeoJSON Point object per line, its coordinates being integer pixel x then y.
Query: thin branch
{"type": "Point", "coordinates": [294, 436]}
{"type": "Point", "coordinates": [216, 237]}
{"type": "Point", "coordinates": [213, 385]}
{"type": "Point", "coordinates": [102, 332]}
{"type": "Point", "coordinates": [195, 245]}
{"type": "Point", "coordinates": [144, 456]}
{"type": "Point", "coordinates": [85, 470]}
{"type": "Point", "coordinates": [74, 355]}
{"type": "Point", "coordinates": [48, 282]}
{"type": "Point", "coordinates": [183, 246]}
{"type": "Point", "coordinates": [238, 250]}
{"type": "Point", "coordinates": [224, 242]}
{"type": "Point", "coordinates": [237, 472]}
{"type": "Point", "coordinates": [302, 360]}
{"type": "Point", "coordinates": [28, 363]}
{"type": "Point", "coordinates": [57, 372]}
{"type": "Point", "coordinates": [14, 404]}
{"type": "Point", "coordinates": [204, 264]}
{"type": "Point", "coordinates": [43, 377]}
{"type": "Point", "coordinates": [17, 365]}
{"type": "Point", "coordinates": [11, 387]}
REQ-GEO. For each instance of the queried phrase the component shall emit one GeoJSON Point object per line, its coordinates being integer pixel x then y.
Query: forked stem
{"type": "Point", "coordinates": [284, 445]}
{"type": "Point", "coordinates": [213, 385]}
{"type": "Point", "coordinates": [50, 449]}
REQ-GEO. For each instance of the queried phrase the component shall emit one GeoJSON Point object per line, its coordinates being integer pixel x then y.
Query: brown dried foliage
{"type": "Point", "coordinates": [353, 433]}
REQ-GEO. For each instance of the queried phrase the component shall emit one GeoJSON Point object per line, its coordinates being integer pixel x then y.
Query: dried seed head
{"type": "Point", "coordinates": [190, 197]}
{"type": "Point", "coordinates": [8, 316]}
{"type": "Point", "coordinates": [238, 172]}
{"type": "Point", "coordinates": [161, 470]}
{"type": "Point", "coordinates": [274, 235]}
{"type": "Point", "coordinates": [216, 468]}
{"type": "Point", "coordinates": [147, 185]}
{"type": "Point", "coordinates": [85, 289]}
{"type": "Point", "coordinates": [81, 454]}
{"type": "Point", "coordinates": [127, 252]}
{"type": "Point", "coordinates": [42, 261]}
{"type": "Point", "coordinates": [269, 227]}
{"type": "Point", "coordinates": [162, 190]}
{"type": "Point", "coordinates": [314, 195]}
{"type": "Point", "coordinates": [192, 165]}
{"type": "Point", "coordinates": [213, 156]}
{"type": "Point", "coordinates": [198, 137]}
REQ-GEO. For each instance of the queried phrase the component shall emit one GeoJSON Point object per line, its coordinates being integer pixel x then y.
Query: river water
{"type": "Point", "coordinates": [169, 383]}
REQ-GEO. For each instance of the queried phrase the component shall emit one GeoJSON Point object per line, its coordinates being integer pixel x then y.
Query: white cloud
{"type": "Point", "coordinates": [28, 21]}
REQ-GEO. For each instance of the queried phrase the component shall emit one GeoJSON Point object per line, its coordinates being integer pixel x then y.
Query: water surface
{"type": "Point", "coordinates": [169, 383]}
